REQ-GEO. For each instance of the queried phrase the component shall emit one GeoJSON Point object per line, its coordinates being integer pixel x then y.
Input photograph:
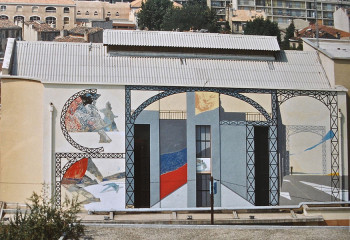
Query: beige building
{"type": "Point", "coordinates": [58, 13]}
{"type": "Point", "coordinates": [342, 19]}
{"type": "Point", "coordinates": [37, 31]}
{"type": "Point", "coordinates": [241, 17]}
{"type": "Point", "coordinates": [94, 10]}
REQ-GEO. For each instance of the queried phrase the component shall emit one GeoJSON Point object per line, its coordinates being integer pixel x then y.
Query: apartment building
{"type": "Point", "coordinates": [282, 11]}
{"type": "Point", "coordinates": [57, 13]}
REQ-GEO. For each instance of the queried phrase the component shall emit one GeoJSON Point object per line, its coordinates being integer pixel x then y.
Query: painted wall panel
{"type": "Point", "coordinates": [233, 159]}
{"type": "Point", "coordinates": [152, 118]}
{"type": "Point", "coordinates": [173, 156]}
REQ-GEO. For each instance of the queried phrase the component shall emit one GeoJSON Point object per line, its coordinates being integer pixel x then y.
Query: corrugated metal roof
{"type": "Point", "coordinates": [84, 63]}
{"type": "Point", "coordinates": [190, 40]}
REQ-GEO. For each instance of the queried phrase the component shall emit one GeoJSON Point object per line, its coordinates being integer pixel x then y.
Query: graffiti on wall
{"type": "Point", "coordinates": [83, 116]}
{"type": "Point", "coordinates": [206, 101]}
{"type": "Point", "coordinates": [173, 157]}
{"type": "Point", "coordinates": [97, 178]}
{"type": "Point", "coordinates": [100, 183]}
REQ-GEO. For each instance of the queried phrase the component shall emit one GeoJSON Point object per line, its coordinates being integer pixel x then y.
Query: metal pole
{"type": "Point", "coordinates": [316, 24]}
{"type": "Point", "coordinates": [212, 199]}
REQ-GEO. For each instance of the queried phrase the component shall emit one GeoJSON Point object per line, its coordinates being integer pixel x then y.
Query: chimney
{"type": "Point", "coordinates": [86, 35]}
{"type": "Point", "coordinates": [63, 33]}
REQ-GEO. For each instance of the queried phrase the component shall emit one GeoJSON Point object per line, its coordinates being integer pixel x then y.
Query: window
{"type": "Point", "coordinates": [50, 9]}
{"type": "Point", "coordinates": [34, 18]}
{"type": "Point", "coordinates": [3, 8]}
{"type": "Point", "coordinates": [78, 13]}
{"type": "Point", "coordinates": [66, 10]}
{"type": "Point", "coordinates": [4, 17]}
{"type": "Point", "coordinates": [203, 141]}
{"type": "Point", "coordinates": [18, 19]}
{"type": "Point", "coordinates": [95, 13]}
{"type": "Point", "coordinates": [203, 165]}
{"type": "Point", "coordinates": [19, 8]}
{"type": "Point", "coordinates": [66, 20]}
{"type": "Point", "coordinates": [51, 21]}
{"type": "Point", "coordinates": [35, 9]}
{"type": "Point", "coordinates": [87, 13]}
{"type": "Point", "coordinates": [117, 14]}
{"type": "Point", "coordinates": [109, 14]}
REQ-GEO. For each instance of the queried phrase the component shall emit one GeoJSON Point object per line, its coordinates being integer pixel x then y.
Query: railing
{"type": "Point", "coordinates": [172, 114]}
{"type": "Point", "coordinates": [255, 117]}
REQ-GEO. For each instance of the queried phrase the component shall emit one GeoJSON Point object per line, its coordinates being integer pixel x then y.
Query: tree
{"type": "Point", "coordinates": [259, 26]}
{"type": "Point", "coordinates": [152, 14]}
{"type": "Point", "coordinates": [289, 34]}
{"type": "Point", "coordinates": [44, 221]}
{"type": "Point", "coordinates": [194, 15]}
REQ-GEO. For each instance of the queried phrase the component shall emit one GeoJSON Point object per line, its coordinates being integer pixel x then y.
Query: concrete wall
{"type": "Point", "coordinates": [21, 137]}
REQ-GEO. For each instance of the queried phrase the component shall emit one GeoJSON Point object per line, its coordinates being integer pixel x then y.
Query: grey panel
{"type": "Point", "coordinates": [172, 135]}
{"type": "Point", "coordinates": [233, 158]}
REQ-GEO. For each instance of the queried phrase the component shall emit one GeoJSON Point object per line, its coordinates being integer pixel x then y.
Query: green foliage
{"type": "Point", "coordinates": [152, 14]}
{"type": "Point", "coordinates": [289, 34]}
{"type": "Point", "coordinates": [259, 26]}
{"type": "Point", "coordinates": [161, 15]}
{"type": "Point", "coordinates": [44, 221]}
{"type": "Point", "coordinates": [226, 29]}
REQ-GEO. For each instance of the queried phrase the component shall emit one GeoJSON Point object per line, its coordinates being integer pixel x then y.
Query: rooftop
{"type": "Point", "coordinates": [86, 63]}
{"type": "Point", "coordinates": [190, 40]}
{"type": "Point", "coordinates": [33, 2]}
{"type": "Point", "coordinates": [41, 27]}
{"type": "Point", "coordinates": [70, 39]}
{"type": "Point", "coordinates": [323, 31]}
{"type": "Point", "coordinates": [333, 48]}
{"type": "Point", "coordinates": [81, 30]}
{"type": "Point", "coordinates": [4, 24]}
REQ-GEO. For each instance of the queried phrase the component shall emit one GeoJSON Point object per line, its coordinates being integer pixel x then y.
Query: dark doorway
{"type": "Point", "coordinates": [142, 165]}
{"type": "Point", "coordinates": [261, 145]}
{"type": "Point", "coordinates": [203, 196]}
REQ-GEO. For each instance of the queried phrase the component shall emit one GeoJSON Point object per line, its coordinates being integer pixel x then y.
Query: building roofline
{"type": "Point", "coordinates": [328, 54]}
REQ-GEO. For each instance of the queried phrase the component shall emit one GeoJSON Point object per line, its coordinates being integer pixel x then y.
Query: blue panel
{"type": "Point", "coordinates": [172, 161]}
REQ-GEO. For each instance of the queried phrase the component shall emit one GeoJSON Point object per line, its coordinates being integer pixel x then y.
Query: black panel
{"type": "Point", "coordinates": [142, 165]}
{"type": "Point", "coordinates": [261, 145]}
{"type": "Point", "coordinates": [203, 195]}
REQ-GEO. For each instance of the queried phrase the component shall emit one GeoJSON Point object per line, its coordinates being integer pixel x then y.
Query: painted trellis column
{"type": "Point", "coordinates": [273, 154]}
{"type": "Point", "coordinates": [129, 151]}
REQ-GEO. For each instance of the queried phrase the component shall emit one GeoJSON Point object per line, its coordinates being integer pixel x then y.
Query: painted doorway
{"type": "Point", "coordinates": [261, 144]}
{"type": "Point", "coordinates": [142, 165]}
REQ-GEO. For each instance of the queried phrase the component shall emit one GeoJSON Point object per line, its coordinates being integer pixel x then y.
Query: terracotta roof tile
{"type": "Point", "coordinates": [8, 24]}
{"type": "Point", "coordinates": [41, 27]}
{"type": "Point", "coordinates": [81, 30]}
{"type": "Point", "coordinates": [323, 30]}
{"type": "Point", "coordinates": [70, 39]}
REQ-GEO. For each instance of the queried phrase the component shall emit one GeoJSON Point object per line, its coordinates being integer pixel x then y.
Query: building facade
{"type": "Point", "coordinates": [146, 118]}
{"type": "Point", "coordinates": [58, 13]}
{"type": "Point", "coordinates": [282, 11]}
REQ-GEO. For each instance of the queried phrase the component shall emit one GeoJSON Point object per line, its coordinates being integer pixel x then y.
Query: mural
{"type": "Point", "coordinates": [96, 175]}
{"type": "Point", "coordinates": [100, 183]}
{"type": "Point", "coordinates": [83, 116]}
{"type": "Point", "coordinates": [173, 157]}
{"type": "Point", "coordinates": [206, 101]}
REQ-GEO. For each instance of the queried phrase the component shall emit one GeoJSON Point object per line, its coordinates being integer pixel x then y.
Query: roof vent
{"type": "Point", "coordinates": [271, 66]}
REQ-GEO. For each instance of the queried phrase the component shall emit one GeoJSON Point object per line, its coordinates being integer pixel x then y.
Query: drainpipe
{"type": "Point", "coordinates": [51, 162]}
{"type": "Point", "coordinates": [341, 160]}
